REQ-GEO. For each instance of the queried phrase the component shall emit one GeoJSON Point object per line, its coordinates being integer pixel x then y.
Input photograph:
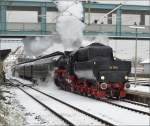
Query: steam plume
{"type": "Point", "coordinates": [69, 25]}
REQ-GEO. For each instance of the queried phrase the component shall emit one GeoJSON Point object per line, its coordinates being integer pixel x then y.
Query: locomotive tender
{"type": "Point", "coordinates": [90, 70]}
{"type": "Point", "coordinates": [94, 71]}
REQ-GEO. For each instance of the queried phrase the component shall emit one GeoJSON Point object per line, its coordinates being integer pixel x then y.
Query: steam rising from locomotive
{"type": "Point", "coordinates": [35, 46]}
{"type": "Point", "coordinates": [69, 24]}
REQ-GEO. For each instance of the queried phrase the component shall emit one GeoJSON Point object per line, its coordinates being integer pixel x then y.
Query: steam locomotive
{"type": "Point", "coordinates": [93, 71]}
{"type": "Point", "coordinates": [90, 70]}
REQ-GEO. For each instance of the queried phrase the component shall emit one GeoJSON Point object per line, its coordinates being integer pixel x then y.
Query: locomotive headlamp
{"type": "Point", "coordinates": [126, 77]}
{"type": "Point", "coordinates": [102, 77]}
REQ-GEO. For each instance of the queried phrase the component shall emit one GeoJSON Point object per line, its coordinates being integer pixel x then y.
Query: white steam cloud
{"type": "Point", "coordinates": [35, 46]}
{"type": "Point", "coordinates": [69, 24]}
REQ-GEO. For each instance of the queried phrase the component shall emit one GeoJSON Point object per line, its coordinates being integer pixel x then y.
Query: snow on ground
{"type": "Point", "coordinates": [137, 107]}
{"type": "Point", "coordinates": [140, 88]}
{"type": "Point", "coordinates": [38, 115]}
{"type": "Point", "coordinates": [26, 82]}
{"type": "Point", "coordinates": [9, 110]}
{"type": "Point", "coordinates": [103, 110]}
{"type": "Point", "coordinates": [72, 115]}
{"type": "Point", "coordinates": [34, 113]}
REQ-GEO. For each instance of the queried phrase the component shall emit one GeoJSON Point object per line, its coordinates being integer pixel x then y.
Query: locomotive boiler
{"type": "Point", "coordinates": [93, 71]}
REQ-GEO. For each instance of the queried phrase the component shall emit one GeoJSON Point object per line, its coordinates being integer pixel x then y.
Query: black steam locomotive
{"type": "Point", "coordinates": [94, 71]}
{"type": "Point", "coordinates": [90, 70]}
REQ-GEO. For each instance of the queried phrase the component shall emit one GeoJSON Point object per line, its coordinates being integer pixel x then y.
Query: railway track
{"type": "Point", "coordinates": [82, 117]}
{"type": "Point", "coordinates": [48, 108]}
{"type": "Point", "coordinates": [130, 106]}
{"type": "Point", "coordinates": [135, 103]}
{"type": "Point", "coordinates": [112, 102]}
{"type": "Point", "coordinates": [15, 83]}
{"type": "Point", "coordinates": [144, 112]}
{"type": "Point", "coordinates": [139, 96]}
{"type": "Point", "coordinates": [143, 109]}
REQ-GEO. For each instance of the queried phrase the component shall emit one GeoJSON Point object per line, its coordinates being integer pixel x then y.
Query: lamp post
{"type": "Point", "coordinates": [135, 62]}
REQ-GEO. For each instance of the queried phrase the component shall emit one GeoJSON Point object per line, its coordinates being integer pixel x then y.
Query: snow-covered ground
{"type": "Point", "coordinates": [138, 86]}
{"type": "Point", "coordinates": [34, 113]}
{"type": "Point", "coordinates": [130, 105]}
{"type": "Point", "coordinates": [70, 114]}
{"type": "Point", "coordinates": [26, 82]}
{"type": "Point", "coordinates": [10, 112]}
{"type": "Point", "coordinates": [103, 110]}
{"type": "Point", "coordinates": [37, 115]}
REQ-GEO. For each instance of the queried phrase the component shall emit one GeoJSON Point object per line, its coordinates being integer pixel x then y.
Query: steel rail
{"type": "Point", "coordinates": [77, 109]}
{"type": "Point", "coordinates": [54, 112]}
{"type": "Point", "coordinates": [135, 103]}
{"type": "Point", "coordinates": [124, 107]}
{"type": "Point", "coordinates": [58, 100]}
